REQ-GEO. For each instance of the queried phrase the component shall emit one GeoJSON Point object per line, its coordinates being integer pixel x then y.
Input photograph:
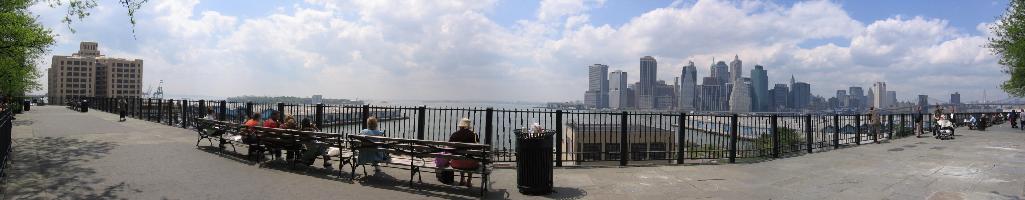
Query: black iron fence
{"type": "Point", "coordinates": [582, 137]}
{"type": "Point", "coordinates": [6, 125]}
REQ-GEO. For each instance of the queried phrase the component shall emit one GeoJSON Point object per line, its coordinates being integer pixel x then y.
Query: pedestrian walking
{"type": "Point", "coordinates": [873, 116]}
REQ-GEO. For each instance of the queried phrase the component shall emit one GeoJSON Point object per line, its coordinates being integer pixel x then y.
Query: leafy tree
{"type": "Point", "coordinates": [1009, 43]}
{"type": "Point", "coordinates": [23, 40]}
{"type": "Point", "coordinates": [789, 141]}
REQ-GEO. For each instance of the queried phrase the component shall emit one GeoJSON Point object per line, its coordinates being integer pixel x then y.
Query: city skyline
{"type": "Point", "coordinates": [341, 46]}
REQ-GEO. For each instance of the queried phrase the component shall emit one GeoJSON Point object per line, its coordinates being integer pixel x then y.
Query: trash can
{"type": "Point", "coordinates": [534, 162]}
{"type": "Point", "coordinates": [28, 105]}
{"type": "Point", "coordinates": [85, 106]}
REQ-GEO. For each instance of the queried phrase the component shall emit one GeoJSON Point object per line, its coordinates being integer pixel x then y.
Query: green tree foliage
{"type": "Point", "coordinates": [23, 40]}
{"type": "Point", "coordinates": [789, 141]}
{"type": "Point", "coordinates": [1008, 43]}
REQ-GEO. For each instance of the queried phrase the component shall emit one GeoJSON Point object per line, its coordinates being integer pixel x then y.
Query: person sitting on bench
{"type": "Point", "coordinates": [465, 134]}
{"type": "Point", "coordinates": [372, 156]}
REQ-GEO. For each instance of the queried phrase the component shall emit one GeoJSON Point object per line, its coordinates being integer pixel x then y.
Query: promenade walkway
{"type": "Point", "coordinates": [60, 154]}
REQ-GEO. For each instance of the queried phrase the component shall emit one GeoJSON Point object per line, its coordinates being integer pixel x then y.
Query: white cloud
{"type": "Point", "coordinates": [452, 50]}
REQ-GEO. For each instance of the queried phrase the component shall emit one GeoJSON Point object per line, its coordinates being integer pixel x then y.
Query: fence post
{"type": "Point", "coordinates": [421, 122]}
{"type": "Point", "coordinates": [836, 131]}
{"type": "Point", "coordinates": [681, 141]}
{"type": "Point", "coordinates": [889, 119]}
{"type": "Point", "coordinates": [170, 112]}
{"type": "Point", "coordinates": [774, 123]}
{"type": "Point", "coordinates": [808, 132]}
{"type": "Point", "coordinates": [224, 111]}
{"type": "Point", "coordinates": [904, 124]}
{"type": "Point", "coordinates": [160, 109]}
{"type": "Point", "coordinates": [622, 139]}
{"type": "Point", "coordinates": [318, 116]}
{"type": "Point", "coordinates": [733, 138]}
{"type": "Point", "coordinates": [558, 138]}
{"type": "Point", "coordinates": [249, 110]}
{"type": "Point", "coordinates": [857, 128]}
{"type": "Point", "coordinates": [281, 113]}
{"type": "Point", "coordinates": [488, 125]}
{"type": "Point", "coordinates": [148, 112]}
{"type": "Point", "coordinates": [366, 115]}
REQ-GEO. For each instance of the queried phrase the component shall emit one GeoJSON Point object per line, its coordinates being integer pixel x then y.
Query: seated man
{"type": "Point", "coordinates": [372, 156]}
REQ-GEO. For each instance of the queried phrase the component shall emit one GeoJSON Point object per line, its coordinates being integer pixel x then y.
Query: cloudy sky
{"type": "Point", "coordinates": [519, 50]}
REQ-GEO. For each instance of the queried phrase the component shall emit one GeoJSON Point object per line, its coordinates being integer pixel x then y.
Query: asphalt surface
{"type": "Point", "coordinates": [61, 154]}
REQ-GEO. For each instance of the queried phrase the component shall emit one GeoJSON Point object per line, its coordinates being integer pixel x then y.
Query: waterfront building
{"type": "Point", "coordinates": [955, 98]}
{"type": "Point", "coordinates": [89, 73]}
{"type": "Point", "coordinates": [590, 143]}
{"type": "Point", "coordinates": [841, 99]}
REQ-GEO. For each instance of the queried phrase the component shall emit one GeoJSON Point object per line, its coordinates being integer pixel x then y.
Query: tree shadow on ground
{"type": "Point", "coordinates": [54, 168]}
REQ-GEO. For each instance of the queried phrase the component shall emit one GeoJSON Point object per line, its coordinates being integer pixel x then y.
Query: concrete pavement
{"type": "Point", "coordinates": [60, 154]}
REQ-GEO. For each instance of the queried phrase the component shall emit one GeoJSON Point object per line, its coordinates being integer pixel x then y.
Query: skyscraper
{"type": "Point", "coordinates": [617, 90]}
{"type": "Point", "coordinates": [740, 97]}
{"type": "Point", "coordinates": [649, 72]}
{"type": "Point", "coordinates": [780, 95]}
{"type": "Point", "coordinates": [841, 97]}
{"type": "Point", "coordinates": [760, 85]}
{"type": "Point", "coordinates": [955, 98]}
{"type": "Point", "coordinates": [688, 87]}
{"type": "Point", "coordinates": [857, 98]}
{"type": "Point", "coordinates": [891, 98]}
{"type": "Point", "coordinates": [721, 72]}
{"type": "Point", "coordinates": [801, 95]}
{"type": "Point", "coordinates": [597, 95]}
{"type": "Point", "coordinates": [880, 100]}
{"type": "Point", "coordinates": [736, 69]}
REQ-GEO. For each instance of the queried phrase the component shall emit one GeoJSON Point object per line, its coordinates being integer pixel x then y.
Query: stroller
{"type": "Point", "coordinates": [945, 130]}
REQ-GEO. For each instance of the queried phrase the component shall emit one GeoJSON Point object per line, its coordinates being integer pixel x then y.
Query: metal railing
{"type": "Point", "coordinates": [582, 137]}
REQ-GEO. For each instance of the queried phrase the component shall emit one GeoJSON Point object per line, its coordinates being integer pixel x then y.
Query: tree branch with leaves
{"type": "Point", "coordinates": [1008, 42]}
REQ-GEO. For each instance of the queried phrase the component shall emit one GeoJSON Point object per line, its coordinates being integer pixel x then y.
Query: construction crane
{"type": "Point", "coordinates": [159, 94]}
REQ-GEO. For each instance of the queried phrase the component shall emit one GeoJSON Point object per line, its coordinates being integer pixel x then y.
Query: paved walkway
{"type": "Point", "coordinates": [61, 154]}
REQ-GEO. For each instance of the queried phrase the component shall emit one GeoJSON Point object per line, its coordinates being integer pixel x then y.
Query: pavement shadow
{"type": "Point", "coordinates": [54, 168]}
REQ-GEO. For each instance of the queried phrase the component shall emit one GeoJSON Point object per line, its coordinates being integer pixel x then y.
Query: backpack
{"type": "Point", "coordinates": [446, 176]}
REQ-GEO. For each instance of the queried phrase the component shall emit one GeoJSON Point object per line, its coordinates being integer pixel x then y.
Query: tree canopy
{"type": "Point", "coordinates": [1008, 43]}
{"type": "Point", "coordinates": [23, 40]}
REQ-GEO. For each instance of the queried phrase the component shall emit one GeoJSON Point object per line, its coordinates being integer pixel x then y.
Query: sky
{"type": "Point", "coordinates": [538, 51]}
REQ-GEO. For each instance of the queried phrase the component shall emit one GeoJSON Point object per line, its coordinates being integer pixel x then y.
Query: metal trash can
{"type": "Point", "coordinates": [28, 105]}
{"type": "Point", "coordinates": [84, 106]}
{"type": "Point", "coordinates": [534, 162]}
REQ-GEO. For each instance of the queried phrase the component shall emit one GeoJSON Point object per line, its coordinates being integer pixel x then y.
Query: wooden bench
{"type": "Point", "coordinates": [300, 142]}
{"type": "Point", "coordinates": [213, 129]}
{"type": "Point", "coordinates": [420, 155]}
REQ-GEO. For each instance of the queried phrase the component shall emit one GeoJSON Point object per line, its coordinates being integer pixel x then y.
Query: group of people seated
{"type": "Point", "coordinates": [464, 134]}
{"type": "Point", "coordinates": [249, 136]}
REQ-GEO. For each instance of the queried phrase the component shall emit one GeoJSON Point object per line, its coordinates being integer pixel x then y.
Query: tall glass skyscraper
{"type": "Point", "coordinates": [760, 84]}
{"type": "Point", "coordinates": [617, 89]}
{"type": "Point", "coordinates": [648, 76]}
{"type": "Point", "coordinates": [688, 87]}
{"type": "Point", "coordinates": [597, 95]}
